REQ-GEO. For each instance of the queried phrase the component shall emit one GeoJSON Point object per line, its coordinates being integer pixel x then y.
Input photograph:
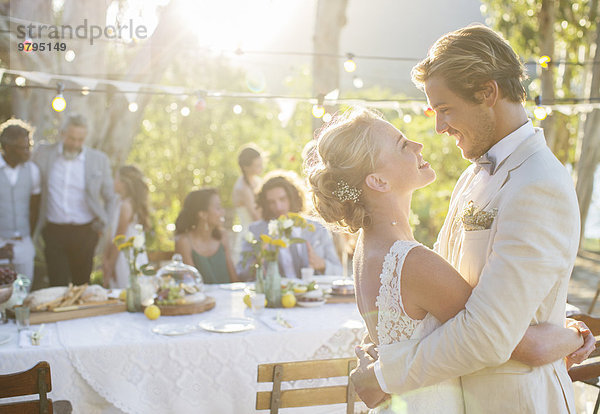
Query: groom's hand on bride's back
{"type": "Point", "coordinates": [364, 380]}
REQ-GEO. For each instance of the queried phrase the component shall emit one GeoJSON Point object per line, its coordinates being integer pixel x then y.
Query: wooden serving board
{"type": "Point", "coordinates": [188, 308]}
{"type": "Point", "coordinates": [341, 299]}
{"type": "Point", "coordinates": [81, 311]}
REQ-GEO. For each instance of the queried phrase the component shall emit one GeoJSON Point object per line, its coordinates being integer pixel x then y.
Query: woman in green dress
{"type": "Point", "coordinates": [199, 237]}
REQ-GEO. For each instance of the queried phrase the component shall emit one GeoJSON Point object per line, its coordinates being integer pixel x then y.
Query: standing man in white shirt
{"type": "Point", "coordinates": [19, 194]}
{"type": "Point", "coordinates": [77, 199]}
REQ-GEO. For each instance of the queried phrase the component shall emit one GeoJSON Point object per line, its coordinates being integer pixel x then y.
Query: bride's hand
{"type": "Point", "coordinates": [589, 343]}
{"type": "Point", "coordinates": [364, 380]}
{"type": "Point", "coordinates": [369, 347]}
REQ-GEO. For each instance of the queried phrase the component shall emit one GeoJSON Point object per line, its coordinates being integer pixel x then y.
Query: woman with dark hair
{"type": "Point", "coordinates": [199, 237]}
{"type": "Point", "coordinates": [132, 209]}
{"type": "Point", "coordinates": [250, 161]}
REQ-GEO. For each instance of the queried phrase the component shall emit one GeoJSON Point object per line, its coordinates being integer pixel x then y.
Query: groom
{"type": "Point", "coordinates": [512, 231]}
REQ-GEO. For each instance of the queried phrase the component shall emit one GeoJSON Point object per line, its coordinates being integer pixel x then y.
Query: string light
{"type": "Point", "coordinates": [85, 91]}
{"type": "Point", "coordinates": [357, 82]}
{"type": "Point", "coordinates": [69, 55]}
{"type": "Point", "coordinates": [185, 111]}
{"type": "Point", "coordinates": [237, 109]}
{"type": "Point", "coordinates": [133, 107]}
{"type": "Point", "coordinates": [20, 81]}
{"type": "Point", "coordinates": [59, 103]}
{"type": "Point", "coordinates": [318, 110]}
{"type": "Point", "coordinates": [540, 113]}
{"type": "Point", "coordinates": [349, 64]}
{"type": "Point", "coordinates": [327, 117]}
{"type": "Point", "coordinates": [543, 61]}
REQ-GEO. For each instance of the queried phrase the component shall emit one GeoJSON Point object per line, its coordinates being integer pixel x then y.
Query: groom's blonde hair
{"type": "Point", "coordinates": [346, 152]}
{"type": "Point", "coordinates": [469, 57]}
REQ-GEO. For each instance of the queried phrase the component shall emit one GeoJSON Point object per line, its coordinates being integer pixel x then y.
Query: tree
{"type": "Point", "coordinates": [331, 18]}
{"type": "Point", "coordinates": [567, 31]}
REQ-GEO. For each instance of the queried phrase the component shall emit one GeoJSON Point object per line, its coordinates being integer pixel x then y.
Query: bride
{"type": "Point", "coordinates": [363, 173]}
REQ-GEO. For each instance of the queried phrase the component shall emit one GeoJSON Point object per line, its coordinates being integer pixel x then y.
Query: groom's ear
{"type": "Point", "coordinates": [489, 93]}
{"type": "Point", "coordinates": [377, 183]}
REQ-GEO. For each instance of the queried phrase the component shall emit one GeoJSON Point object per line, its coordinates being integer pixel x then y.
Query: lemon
{"type": "Point", "coordinates": [123, 295]}
{"type": "Point", "coordinates": [288, 300]}
{"type": "Point", "coordinates": [247, 300]}
{"type": "Point", "coordinates": [300, 289]}
{"type": "Point", "coordinates": [152, 312]}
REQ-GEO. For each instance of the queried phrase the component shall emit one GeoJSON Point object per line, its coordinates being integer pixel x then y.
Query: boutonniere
{"type": "Point", "coordinates": [473, 218]}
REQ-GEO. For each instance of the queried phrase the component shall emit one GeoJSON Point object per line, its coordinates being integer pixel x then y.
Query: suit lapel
{"type": "Point", "coordinates": [529, 147]}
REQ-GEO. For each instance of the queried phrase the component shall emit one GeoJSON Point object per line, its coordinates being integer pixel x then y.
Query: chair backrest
{"type": "Point", "coordinates": [306, 397]}
{"type": "Point", "coordinates": [32, 381]}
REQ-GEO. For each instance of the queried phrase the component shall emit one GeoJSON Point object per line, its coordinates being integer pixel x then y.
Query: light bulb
{"type": "Point", "coordinates": [357, 82]}
{"type": "Point", "coordinates": [69, 55]}
{"type": "Point", "coordinates": [133, 107]}
{"type": "Point", "coordinates": [59, 103]}
{"type": "Point", "coordinates": [540, 113]}
{"type": "Point", "coordinates": [350, 65]}
{"type": "Point", "coordinates": [318, 111]}
{"type": "Point", "coordinates": [20, 81]}
{"type": "Point", "coordinates": [544, 60]}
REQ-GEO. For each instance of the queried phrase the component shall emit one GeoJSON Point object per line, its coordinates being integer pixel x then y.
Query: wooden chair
{"type": "Point", "coordinates": [306, 397]}
{"type": "Point", "coordinates": [32, 381]}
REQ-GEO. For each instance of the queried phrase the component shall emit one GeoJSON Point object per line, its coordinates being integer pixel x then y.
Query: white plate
{"type": "Point", "coordinates": [234, 286]}
{"type": "Point", "coordinates": [327, 279]}
{"type": "Point", "coordinates": [4, 338]}
{"type": "Point", "coordinates": [228, 325]}
{"type": "Point", "coordinates": [172, 329]}
{"type": "Point", "coordinates": [313, 304]}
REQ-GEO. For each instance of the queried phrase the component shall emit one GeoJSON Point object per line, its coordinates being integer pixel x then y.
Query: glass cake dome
{"type": "Point", "coordinates": [179, 283]}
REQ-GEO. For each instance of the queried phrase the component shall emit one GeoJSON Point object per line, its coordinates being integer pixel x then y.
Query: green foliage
{"type": "Point", "coordinates": [181, 153]}
{"type": "Point", "coordinates": [574, 32]}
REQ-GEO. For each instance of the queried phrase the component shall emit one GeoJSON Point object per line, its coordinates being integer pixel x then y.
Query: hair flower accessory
{"type": "Point", "coordinates": [346, 192]}
{"type": "Point", "coordinates": [473, 218]}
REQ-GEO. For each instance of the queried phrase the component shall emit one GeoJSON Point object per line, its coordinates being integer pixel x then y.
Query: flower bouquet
{"type": "Point", "coordinates": [265, 252]}
{"type": "Point", "coordinates": [132, 247]}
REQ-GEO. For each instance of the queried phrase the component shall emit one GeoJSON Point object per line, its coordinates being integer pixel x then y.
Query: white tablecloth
{"type": "Point", "coordinates": [115, 363]}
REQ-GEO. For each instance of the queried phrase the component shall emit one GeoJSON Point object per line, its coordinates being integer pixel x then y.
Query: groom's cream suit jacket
{"type": "Point", "coordinates": [521, 267]}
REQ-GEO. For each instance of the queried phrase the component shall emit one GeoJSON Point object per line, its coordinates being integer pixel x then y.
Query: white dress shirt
{"type": "Point", "coordinates": [285, 257]}
{"type": "Point", "coordinates": [13, 174]}
{"type": "Point", "coordinates": [66, 191]}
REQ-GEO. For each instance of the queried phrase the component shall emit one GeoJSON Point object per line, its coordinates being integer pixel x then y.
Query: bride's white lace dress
{"type": "Point", "coordinates": [394, 325]}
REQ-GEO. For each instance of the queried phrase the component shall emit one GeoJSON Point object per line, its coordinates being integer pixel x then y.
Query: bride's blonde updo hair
{"type": "Point", "coordinates": [345, 153]}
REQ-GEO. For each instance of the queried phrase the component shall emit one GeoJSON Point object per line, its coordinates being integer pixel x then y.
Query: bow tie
{"type": "Point", "coordinates": [486, 162]}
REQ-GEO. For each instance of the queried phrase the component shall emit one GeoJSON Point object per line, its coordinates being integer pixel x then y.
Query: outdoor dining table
{"type": "Point", "coordinates": [116, 363]}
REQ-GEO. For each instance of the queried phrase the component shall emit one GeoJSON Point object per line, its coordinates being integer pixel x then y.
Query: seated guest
{"type": "Point", "coordinates": [281, 194]}
{"type": "Point", "coordinates": [19, 195]}
{"type": "Point", "coordinates": [132, 209]}
{"type": "Point", "coordinates": [199, 237]}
